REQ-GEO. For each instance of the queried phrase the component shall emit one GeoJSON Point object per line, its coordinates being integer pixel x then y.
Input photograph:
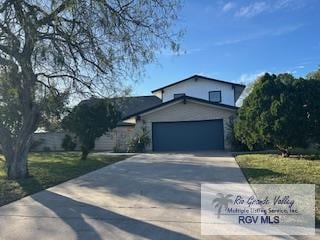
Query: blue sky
{"type": "Point", "coordinates": [238, 40]}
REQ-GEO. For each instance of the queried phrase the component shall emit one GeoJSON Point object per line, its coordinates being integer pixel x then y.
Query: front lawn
{"type": "Point", "coordinates": [270, 168]}
{"type": "Point", "coordinates": [49, 169]}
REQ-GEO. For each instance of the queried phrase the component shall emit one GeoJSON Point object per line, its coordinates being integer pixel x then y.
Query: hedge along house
{"type": "Point", "coordinates": [188, 115]}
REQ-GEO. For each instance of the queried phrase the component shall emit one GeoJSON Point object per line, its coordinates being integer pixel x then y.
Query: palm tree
{"type": "Point", "coordinates": [221, 201]}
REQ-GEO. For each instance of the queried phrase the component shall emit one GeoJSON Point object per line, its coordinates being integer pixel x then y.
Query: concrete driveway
{"type": "Point", "coordinates": [148, 196]}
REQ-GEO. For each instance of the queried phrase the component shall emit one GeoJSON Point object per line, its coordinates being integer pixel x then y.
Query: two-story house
{"type": "Point", "coordinates": [192, 115]}
{"type": "Point", "coordinates": [188, 115]}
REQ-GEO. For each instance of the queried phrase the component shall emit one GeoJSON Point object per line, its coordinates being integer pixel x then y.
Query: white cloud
{"type": "Point", "coordinates": [286, 29]}
{"type": "Point", "coordinates": [257, 8]}
{"type": "Point", "coordinates": [257, 35]}
{"type": "Point", "coordinates": [252, 9]}
{"type": "Point", "coordinates": [228, 6]}
{"type": "Point", "coordinates": [291, 71]}
{"type": "Point", "coordinates": [249, 77]}
{"type": "Point", "coordinates": [292, 4]}
{"type": "Point", "coordinates": [233, 41]}
{"type": "Point", "coordinates": [295, 69]}
{"type": "Point", "coordinates": [282, 4]}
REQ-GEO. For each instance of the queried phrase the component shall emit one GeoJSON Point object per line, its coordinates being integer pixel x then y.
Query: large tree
{"type": "Point", "coordinates": [282, 112]}
{"type": "Point", "coordinates": [83, 46]}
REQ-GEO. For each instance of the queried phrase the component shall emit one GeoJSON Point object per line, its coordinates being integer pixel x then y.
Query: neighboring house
{"type": "Point", "coordinates": [188, 115]}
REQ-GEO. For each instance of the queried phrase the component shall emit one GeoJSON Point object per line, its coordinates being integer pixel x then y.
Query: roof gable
{"type": "Point", "coordinates": [183, 98]}
{"type": "Point", "coordinates": [200, 77]}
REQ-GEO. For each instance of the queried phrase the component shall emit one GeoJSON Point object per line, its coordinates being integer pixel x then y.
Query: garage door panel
{"type": "Point", "coordinates": [188, 136]}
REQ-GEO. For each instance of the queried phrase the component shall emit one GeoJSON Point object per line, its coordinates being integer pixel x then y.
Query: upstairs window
{"type": "Point", "coordinates": [177, 95]}
{"type": "Point", "coordinates": [215, 96]}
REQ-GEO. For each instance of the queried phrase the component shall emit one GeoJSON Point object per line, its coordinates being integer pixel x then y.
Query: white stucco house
{"type": "Point", "coordinates": [189, 115]}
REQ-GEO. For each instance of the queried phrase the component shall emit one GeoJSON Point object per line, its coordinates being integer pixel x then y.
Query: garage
{"type": "Point", "coordinates": [188, 135]}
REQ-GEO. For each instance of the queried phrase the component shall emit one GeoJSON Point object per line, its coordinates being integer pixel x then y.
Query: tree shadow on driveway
{"type": "Point", "coordinates": [76, 214]}
{"type": "Point", "coordinates": [162, 181]}
{"type": "Point", "coordinates": [169, 182]}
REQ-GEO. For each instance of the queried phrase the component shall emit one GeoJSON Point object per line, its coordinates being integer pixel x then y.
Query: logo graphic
{"type": "Point", "coordinates": [257, 209]}
{"type": "Point", "coordinates": [221, 201]}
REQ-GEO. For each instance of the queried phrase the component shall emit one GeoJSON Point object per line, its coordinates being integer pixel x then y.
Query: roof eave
{"type": "Point", "coordinates": [198, 76]}
{"type": "Point", "coordinates": [182, 98]}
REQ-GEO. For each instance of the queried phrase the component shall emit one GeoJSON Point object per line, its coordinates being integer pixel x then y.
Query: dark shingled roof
{"type": "Point", "coordinates": [130, 105]}
{"type": "Point", "coordinates": [185, 98]}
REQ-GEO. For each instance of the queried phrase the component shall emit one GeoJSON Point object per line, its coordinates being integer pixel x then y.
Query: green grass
{"type": "Point", "coordinates": [270, 168]}
{"type": "Point", "coordinates": [49, 169]}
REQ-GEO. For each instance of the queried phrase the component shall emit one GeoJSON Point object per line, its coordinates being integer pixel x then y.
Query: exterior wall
{"type": "Point", "coordinates": [106, 142]}
{"type": "Point", "coordinates": [52, 141]}
{"type": "Point", "coordinates": [131, 120]}
{"type": "Point", "coordinates": [121, 137]}
{"type": "Point", "coordinates": [46, 141]}
{"type": "Point", "coordinates": [190, 111]}
{"type": "Point", "coordinates": [200, 88]}
{"type": "Point", "coordinates": [158, 94]}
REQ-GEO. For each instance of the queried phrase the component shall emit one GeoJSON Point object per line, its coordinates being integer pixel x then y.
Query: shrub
{"type": "Point", "coordinates": [235, 144]}
{"type": "Point", "coordinates": [46, 149]}
{"type": "Point", "coordinates": [117, 148]}
{"type": "Point", "coordinates": [139, 141]}
{"type": "Point", "coordinates": [68, 144]}
{"type": "Point", "coordinates": [90, 120]}
{"type": "Point", "coordinates": [36, 143]}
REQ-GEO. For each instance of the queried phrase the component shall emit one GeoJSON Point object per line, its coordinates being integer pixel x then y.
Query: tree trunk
{"type": "Point", "coordinates": [16, 149]}
{"type": "Point", "coordinates": [16, 155]}
{"type": "Point", "coordinates": [17, 165]}
{"type": "Point", "coordinates": [85, 153]}
{"type": "Point", "coordinates": [285, 153]}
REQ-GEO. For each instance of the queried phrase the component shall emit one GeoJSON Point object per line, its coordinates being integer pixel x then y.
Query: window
{"type": "Point", "coordinates": [215, 96]}
{"type": "Point", "coordinates": [177, 95]}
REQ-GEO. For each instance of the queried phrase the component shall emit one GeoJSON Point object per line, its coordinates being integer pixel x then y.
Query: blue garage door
{"type": "Point", "coordinates": [188, 136]}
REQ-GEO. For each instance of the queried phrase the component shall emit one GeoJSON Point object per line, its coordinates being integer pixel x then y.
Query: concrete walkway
{"type": "Point", "coordinates": [148, 196]}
